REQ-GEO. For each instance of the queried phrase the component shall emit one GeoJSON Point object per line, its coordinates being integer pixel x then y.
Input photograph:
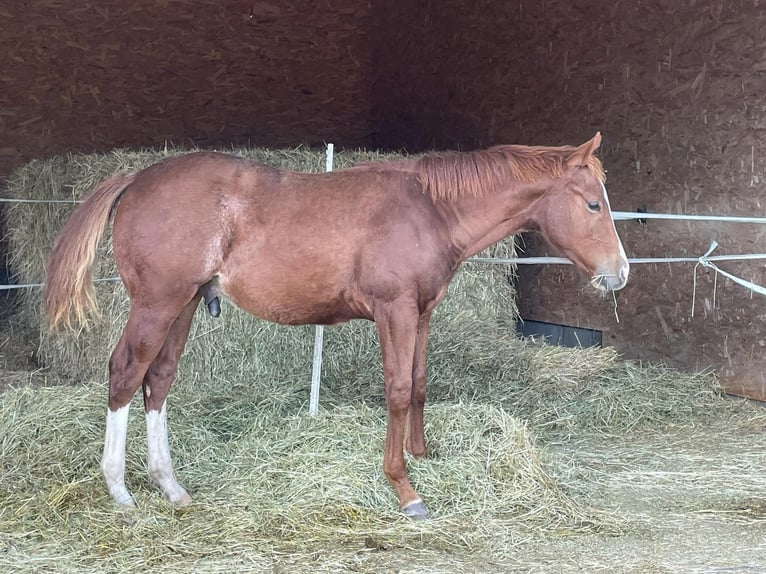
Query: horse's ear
{"type": "Point", "coordinates": [582, 154]}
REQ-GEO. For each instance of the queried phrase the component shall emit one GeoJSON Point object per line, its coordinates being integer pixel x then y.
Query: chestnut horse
{"type": "Point", "coordinates": [379, 242]}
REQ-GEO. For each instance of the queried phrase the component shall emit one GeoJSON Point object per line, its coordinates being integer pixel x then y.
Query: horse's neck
{"type": "Point", "coordinates": [475, 223]}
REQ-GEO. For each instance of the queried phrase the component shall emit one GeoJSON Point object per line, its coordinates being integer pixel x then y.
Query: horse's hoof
{"type": "Point", "coordinates": [179, 497]}
{"type": "Point", "coordinates": [415, 510]}
{"type": "Point", "coordinates": [185, 500]}
{"type": "Point", "coordinates": [125, 502]}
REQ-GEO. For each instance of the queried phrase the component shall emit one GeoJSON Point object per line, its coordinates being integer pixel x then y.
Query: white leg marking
{"type": "Point", "coordinates": [113, 460]}
{"type": "Point", "coordinates": [160, 465]}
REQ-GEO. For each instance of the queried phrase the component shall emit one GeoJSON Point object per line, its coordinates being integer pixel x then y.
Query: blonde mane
{"type": "Point", "coordinates": [449, 175]}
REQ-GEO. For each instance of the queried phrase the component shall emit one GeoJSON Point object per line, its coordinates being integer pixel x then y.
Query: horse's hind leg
{"type": "Point", "coordinates": [157, 383]}
{"type": "Point", "coordinates": [141, 341]}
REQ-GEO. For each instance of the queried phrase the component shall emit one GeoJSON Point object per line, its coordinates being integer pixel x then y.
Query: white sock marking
{"type": "Point", "coordinates": [159, 462]}
{"type": "Point", "coordinates": [113, 460]}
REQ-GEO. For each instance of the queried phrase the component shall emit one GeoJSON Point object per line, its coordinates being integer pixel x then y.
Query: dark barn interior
{"type": "Point", "coordinates": [675, 88]}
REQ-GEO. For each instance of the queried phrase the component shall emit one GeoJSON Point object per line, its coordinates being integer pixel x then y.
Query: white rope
{"type": "Point", "coordinates": [631, 215]}
{"type": "Point", "coordinates": [707, 261]}
{"type": "Point", "coordinates": [30, 285]}
{"type": "Point", "coordinates": [12, 200]}
{"type": "Point", "coordinates": [565, 261]}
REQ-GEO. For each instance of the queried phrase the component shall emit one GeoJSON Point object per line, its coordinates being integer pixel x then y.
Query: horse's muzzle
{"type": "Point", "coordinates": [611, 281]}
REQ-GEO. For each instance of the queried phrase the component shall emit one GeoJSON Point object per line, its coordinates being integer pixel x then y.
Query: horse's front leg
{"type": "Point", "coordinates": [416, 444]}
{"type": "Point", "coordinates": [397, 324]}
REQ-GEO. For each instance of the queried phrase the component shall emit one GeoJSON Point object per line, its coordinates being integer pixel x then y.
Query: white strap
{"type": "Point", "coordinates": [705, 262]}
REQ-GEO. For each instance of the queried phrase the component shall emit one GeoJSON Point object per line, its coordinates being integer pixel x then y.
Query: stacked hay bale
{"type": "Point", "coordinates": [235, 347]}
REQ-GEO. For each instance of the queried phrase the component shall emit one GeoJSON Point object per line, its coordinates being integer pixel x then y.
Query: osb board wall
{"type": "Point", "coordinates": [675, 86]}
{"type": "Point", "coordinates": [86, 75]}
{"type": "Point", "coordinates": [690, 142]}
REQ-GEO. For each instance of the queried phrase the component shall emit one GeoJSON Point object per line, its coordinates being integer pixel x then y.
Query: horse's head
{"type": "Point", "coordinates": [576, 219]}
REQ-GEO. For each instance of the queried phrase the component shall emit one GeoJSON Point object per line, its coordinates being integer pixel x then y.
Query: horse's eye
{"type": "Point", "coordinates": [594, 206]}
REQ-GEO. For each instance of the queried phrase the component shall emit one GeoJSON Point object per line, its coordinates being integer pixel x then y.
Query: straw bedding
{"type": "Point", "coordinates": [273, 487]}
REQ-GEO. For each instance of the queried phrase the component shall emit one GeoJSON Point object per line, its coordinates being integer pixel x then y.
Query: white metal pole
{"type": "Point", "coordinates": [316, 370]}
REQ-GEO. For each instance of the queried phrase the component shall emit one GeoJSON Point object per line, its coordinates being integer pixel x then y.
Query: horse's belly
{"type": "Point", "coordinates": [293, 300]}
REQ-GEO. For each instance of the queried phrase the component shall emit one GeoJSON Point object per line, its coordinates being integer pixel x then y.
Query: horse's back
{"type": "Point", "coordinates": [286, 246]}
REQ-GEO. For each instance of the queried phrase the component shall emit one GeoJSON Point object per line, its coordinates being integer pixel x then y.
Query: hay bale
{"type": "Point", "coordinates": [237, 346]}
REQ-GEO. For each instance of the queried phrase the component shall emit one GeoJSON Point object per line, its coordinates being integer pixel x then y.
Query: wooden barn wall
{"type": "Point", "coordinates": [86, 75]}
{"type": "Point", "coordinates": [675, 86]}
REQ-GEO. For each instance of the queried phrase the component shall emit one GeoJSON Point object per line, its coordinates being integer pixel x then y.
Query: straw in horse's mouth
{"type": "Point", "coordinates": [599, 281]}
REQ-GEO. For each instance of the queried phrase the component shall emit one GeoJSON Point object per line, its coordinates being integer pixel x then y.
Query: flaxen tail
{"type": "Point", "coordinates": [70, 299]}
